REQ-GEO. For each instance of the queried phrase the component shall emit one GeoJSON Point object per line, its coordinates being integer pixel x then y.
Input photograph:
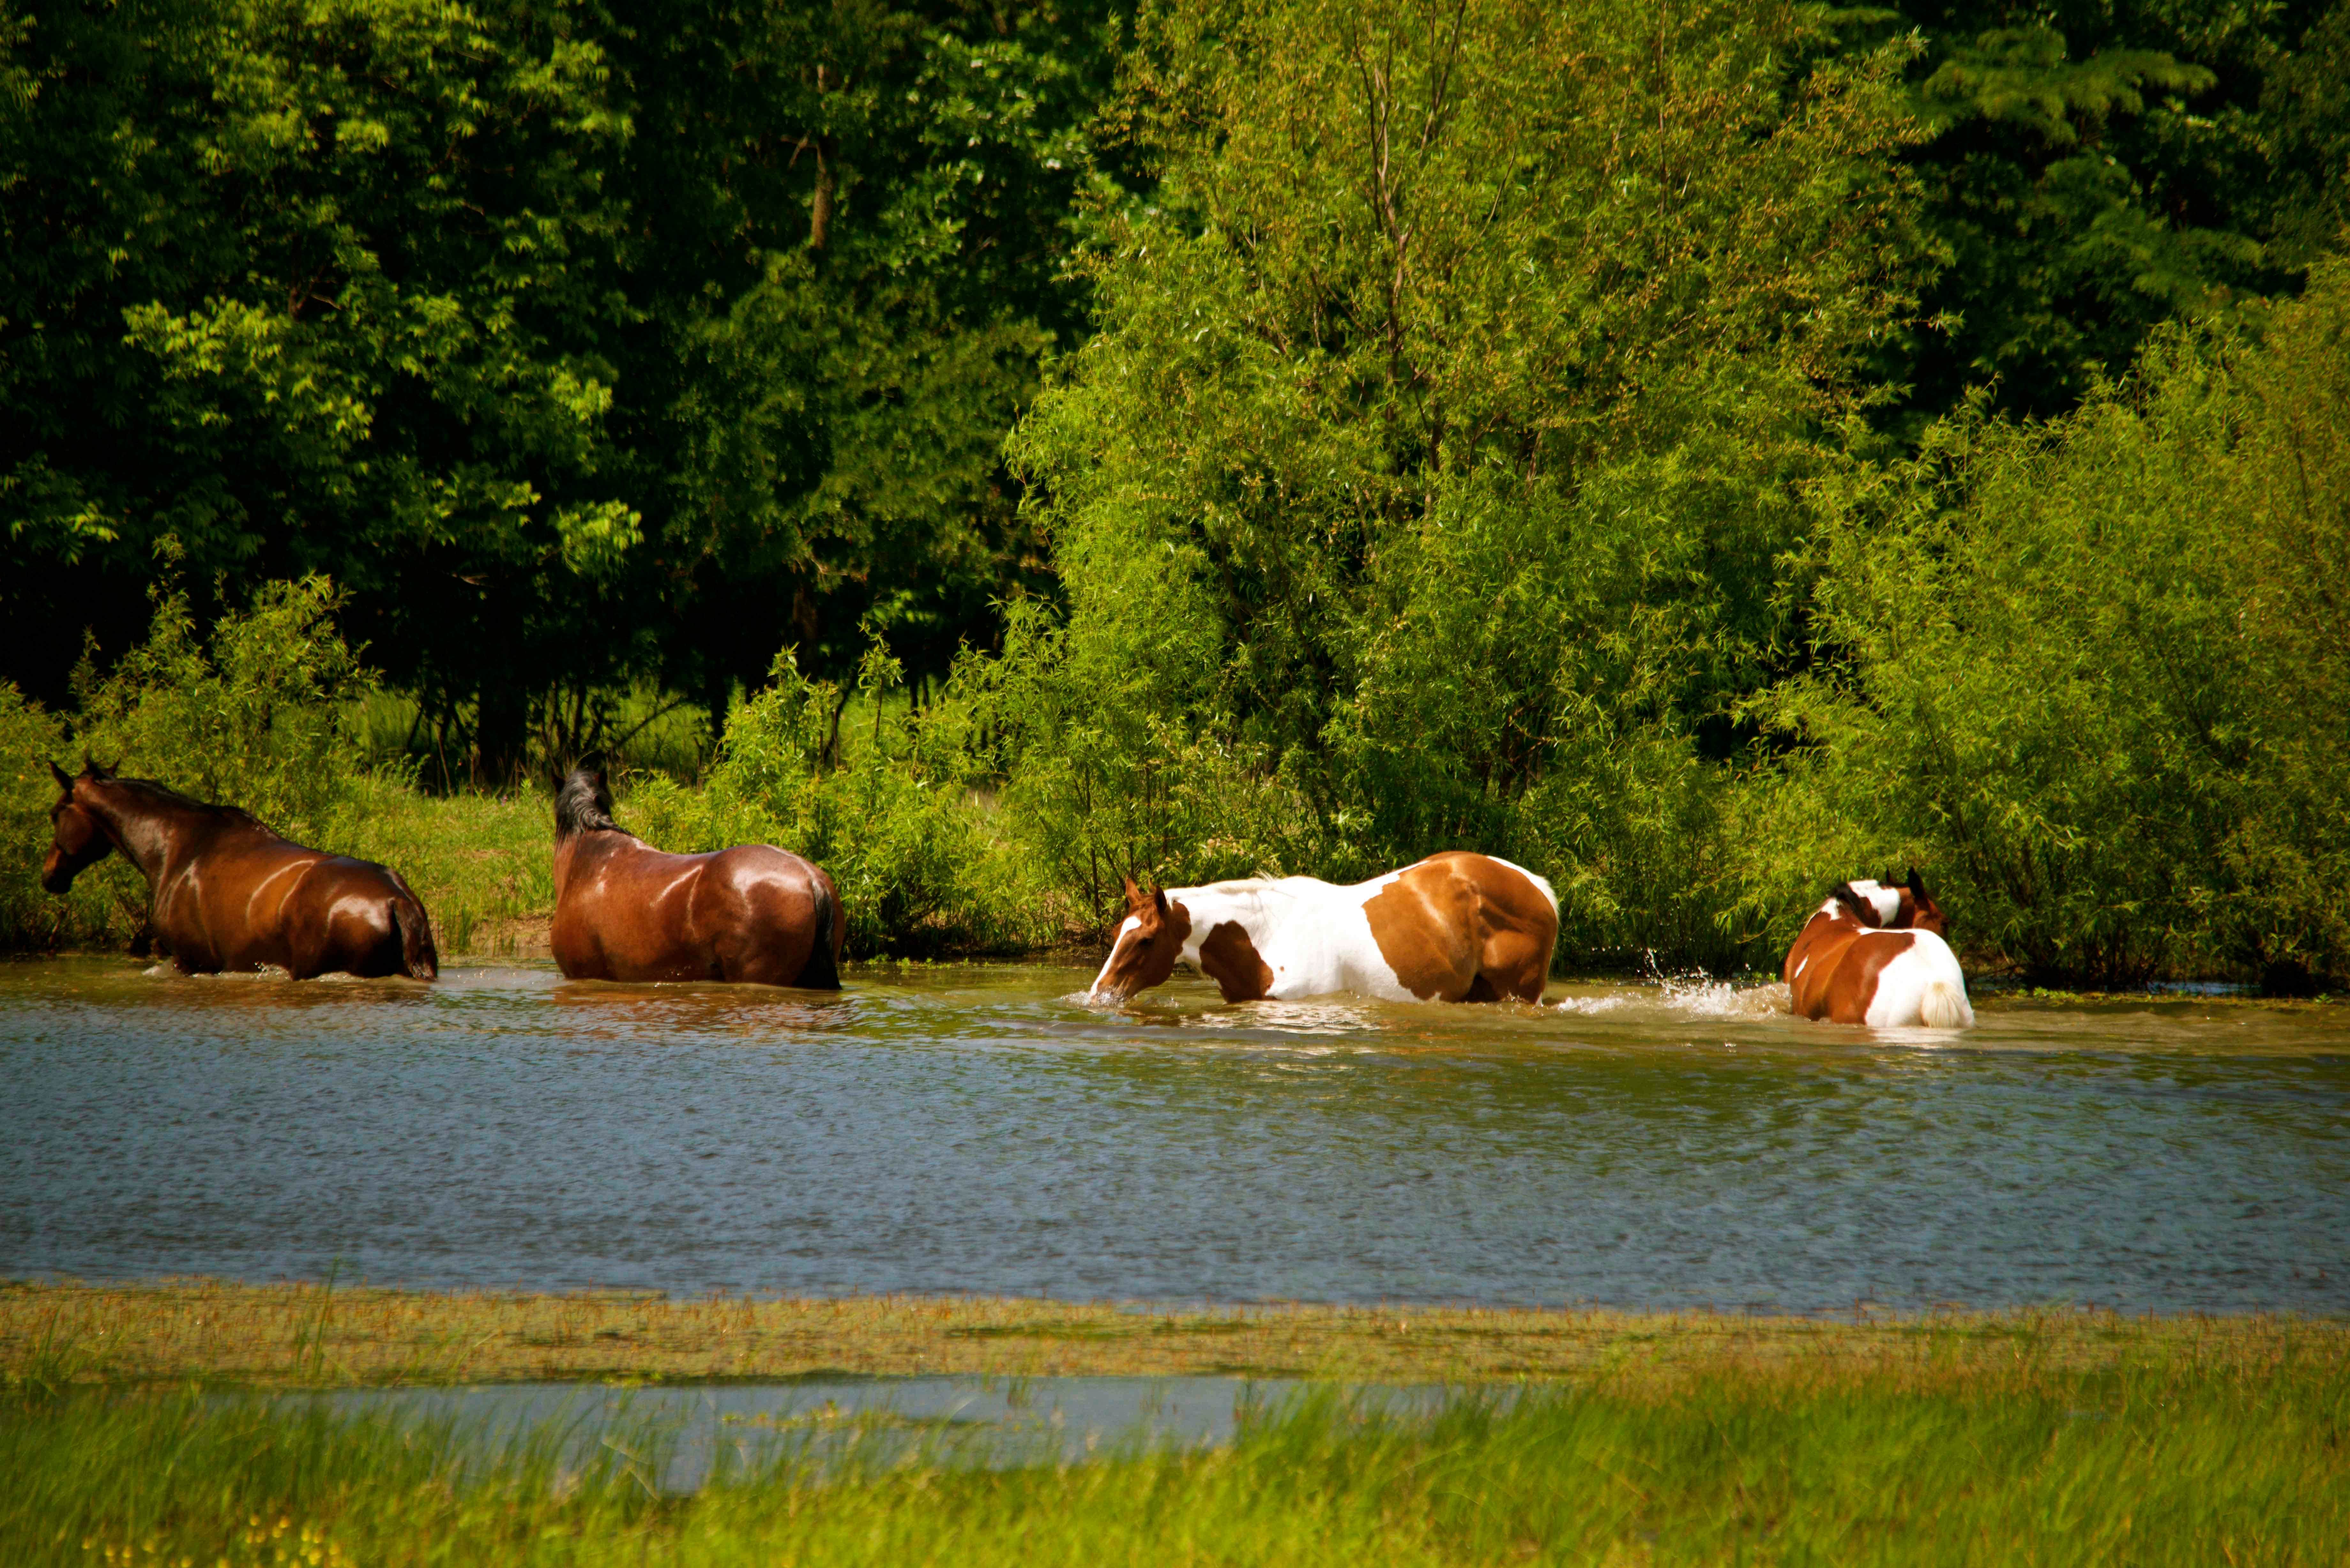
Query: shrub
{"type": "Point", "coordinates": [2092, 674]}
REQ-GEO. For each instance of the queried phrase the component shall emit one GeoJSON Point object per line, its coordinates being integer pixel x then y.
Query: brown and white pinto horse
{"type": "Point", "coordinates": [227, 893]}
{"type": "Point", "coordinates": [1875, 953]}
{"type": "Point", "coordinates": [1455, 927]}
{"type": "Point", "coordinates": [624, 911]}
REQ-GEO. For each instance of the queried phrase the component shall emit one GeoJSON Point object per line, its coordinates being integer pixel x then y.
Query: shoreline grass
{"type": "Point", "coordinates": [2052, 1437]}
{"type": "Point", "coordinates": [324, 1335]}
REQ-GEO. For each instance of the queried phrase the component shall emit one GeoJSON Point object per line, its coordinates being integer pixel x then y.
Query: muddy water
{"type": "Point", "coordinates": [978, 1130]}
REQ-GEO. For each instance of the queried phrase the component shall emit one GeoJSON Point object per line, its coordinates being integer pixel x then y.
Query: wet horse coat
{"type": "Point", "coordinates": [624, 911]}
{"type": "Point", "coordinates": [1875, 953]}
{"type": "Point", "coordinates": [226, 893]}
{"type": "Point", "coordinates": [1455, 927]}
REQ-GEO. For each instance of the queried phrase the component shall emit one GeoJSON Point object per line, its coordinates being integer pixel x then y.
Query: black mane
{"type": "Point", "coordinates": [584, 805]}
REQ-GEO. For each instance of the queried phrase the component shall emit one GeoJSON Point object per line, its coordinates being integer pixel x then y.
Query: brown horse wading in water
{"type": "Point", "coordinates": [227, 893]}
{"type": "Point", "coordinates": [624, 911]}
{"type": "Point", "coordinates": [1877, 953]}
{"type": "Point", "coordinates": [1456, 927]}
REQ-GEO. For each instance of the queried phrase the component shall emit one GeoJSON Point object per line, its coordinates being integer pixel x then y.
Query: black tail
{"type": "Point", "coordinates": [417, 958]}
{"type": "Point", "coordinates": [822, 970]}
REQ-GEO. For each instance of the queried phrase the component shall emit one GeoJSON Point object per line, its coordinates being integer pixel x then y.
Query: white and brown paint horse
{"type": "Point", "coordinates": [1875, 953]}
{"type": "Point", "coordinates": [1452, 927]}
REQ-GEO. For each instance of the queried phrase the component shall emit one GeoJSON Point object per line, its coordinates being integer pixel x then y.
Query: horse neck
{"type": "Point", "coordinates": [594, 844]}
{"type": "Point", "coordinates": [148, 832]}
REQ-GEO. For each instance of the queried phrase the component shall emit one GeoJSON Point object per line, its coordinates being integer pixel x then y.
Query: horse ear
{"type": "Point", "coordinates": [1917, 884]}
{"type": "Point", "coordinates": [1159, 902]}
{"type": "Point", "coordinates": [65, 779]}
{"type": "Point", "coordinates": [1133, 893]}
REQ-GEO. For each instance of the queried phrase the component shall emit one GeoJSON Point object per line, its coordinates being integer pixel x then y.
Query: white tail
{"type": "Point", "coordinates": [1944, 1006]}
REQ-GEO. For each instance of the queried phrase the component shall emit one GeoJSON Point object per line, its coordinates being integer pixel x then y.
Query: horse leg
{"type": "Point", "coordinates": [1513, 963]}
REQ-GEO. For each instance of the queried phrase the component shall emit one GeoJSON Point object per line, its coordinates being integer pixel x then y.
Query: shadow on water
{"type": "Point", "coordinates": [985, 1128]}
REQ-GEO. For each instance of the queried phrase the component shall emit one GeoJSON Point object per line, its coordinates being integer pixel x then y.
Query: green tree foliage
{"type": "Point", "coordinates": [575, 341]}
{"type": "Point", "coordinates": [2098, 170]}
{"type": "Point", "coordinates": [1450, 406]}
{"type": "Point", "coordinates": [2095, 673]}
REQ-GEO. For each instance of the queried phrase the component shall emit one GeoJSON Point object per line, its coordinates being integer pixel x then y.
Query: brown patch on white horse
{"type": "Point", "coordinates": [1232, 960]}
{"type": "Point", "coordinates": [1463, 928]}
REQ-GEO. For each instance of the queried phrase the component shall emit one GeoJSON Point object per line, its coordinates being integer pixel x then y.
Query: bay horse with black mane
{"type": "Point", "coordinates": [227, 893]}
{"type": "Point", "coordinates": [1877, 953]}
{"type": "Point", "coordinates": [1455, 927]}
{"type": "Point", "coordinates": [625, 910]}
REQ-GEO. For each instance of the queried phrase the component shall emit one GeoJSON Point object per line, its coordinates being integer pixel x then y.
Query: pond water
{"type": "Point", "coordinates": [674, 1436]}
{"type": "Point", "coordinates": [980, 1129]}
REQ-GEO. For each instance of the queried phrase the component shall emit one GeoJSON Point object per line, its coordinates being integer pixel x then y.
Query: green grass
{"type": "Point", "coordinates": [2180, 1458]}
{"type": "Point", "coordinates": [483, 865]}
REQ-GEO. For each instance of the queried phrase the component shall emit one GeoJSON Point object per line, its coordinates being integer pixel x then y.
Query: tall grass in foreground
{"type": "Point", "coordinates": [2170, 1459]}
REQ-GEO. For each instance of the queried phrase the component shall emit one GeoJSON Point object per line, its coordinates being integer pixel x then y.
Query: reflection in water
{"type": "Point", "coordinates": [977, 1130]}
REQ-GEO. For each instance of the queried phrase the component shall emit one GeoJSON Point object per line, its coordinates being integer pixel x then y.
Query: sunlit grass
{"type": "Point", "coordinates": [2044, 1437]}
{"type": "Point", "coordinates": [2201, 1449]}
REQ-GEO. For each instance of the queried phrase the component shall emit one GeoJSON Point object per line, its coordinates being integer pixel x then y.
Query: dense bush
{"type": "Point", "coordinates": [2094, 672]}
{"type": "Point", "coordinates": [1427, 483]}
{"type": "Point", "coordinates": [900, 824]}
{"type": "Point", "coordinates": [254, 716]}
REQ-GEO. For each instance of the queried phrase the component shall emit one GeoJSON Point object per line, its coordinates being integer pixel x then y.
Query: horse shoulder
{"type": "Point", "coordinates": [1231, 957]}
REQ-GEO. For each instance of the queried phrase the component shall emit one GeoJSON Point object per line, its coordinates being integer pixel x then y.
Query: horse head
{"type": "Point", "coordinates": [1918, 908]}
{"type": "Point", "coordinates": [79, 839]}
{"type": "Point", "coordinates": [1148, 942]}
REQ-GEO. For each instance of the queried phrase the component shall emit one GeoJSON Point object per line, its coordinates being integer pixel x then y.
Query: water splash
{"type": "Point", "coordinates": [1691, 995]}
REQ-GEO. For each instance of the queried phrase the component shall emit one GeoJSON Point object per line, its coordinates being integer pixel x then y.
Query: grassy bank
{"type": "Point", "coordinates": [2044, 1437]}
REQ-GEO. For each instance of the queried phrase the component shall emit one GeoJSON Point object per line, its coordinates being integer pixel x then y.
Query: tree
{"type": "Point", "coordinates": [1454, 392]}
{"type": "Point", "coordinates": [2098, 170]}
{"type": "Point", "coordinates": [579, 343]}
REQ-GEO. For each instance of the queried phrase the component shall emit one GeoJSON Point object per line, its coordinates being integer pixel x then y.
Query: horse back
{"type": "Point", "coordinates": [627, 911]}
{"type": "Point", "coordinates": [1831, 970]}
{"type": "Point", "coordinates": [248, 899]}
